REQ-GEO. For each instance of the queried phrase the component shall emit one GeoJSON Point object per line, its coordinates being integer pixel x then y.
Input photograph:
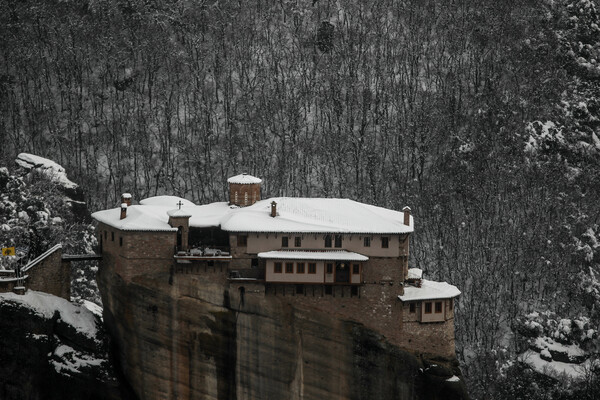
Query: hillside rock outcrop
{"type": "Point", "coordinates": [194, 336]}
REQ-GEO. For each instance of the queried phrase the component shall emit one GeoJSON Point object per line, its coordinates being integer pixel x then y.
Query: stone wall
{"type": "Point", "coordinates": [247, 194]}
{"type": "Point", "coordinates": [51, 275]}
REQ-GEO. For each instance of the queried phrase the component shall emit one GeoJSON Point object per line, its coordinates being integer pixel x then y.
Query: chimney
{"type": "Point", "coordinates": [126, 198]}
{"type": "Point", "coordinates": [406, 211]}
{"type": "Point", "coordinates": [273, 209]}
{"type": "Point", "coordinates": [123, 210]}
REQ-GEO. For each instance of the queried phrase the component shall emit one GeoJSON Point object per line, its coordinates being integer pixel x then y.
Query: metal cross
{"type": "Point", "coordinates": [180, 204]}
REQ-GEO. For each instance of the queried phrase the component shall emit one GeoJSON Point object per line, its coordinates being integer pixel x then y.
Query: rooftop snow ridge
{"type": "Point", "coordinates": [244, 179]}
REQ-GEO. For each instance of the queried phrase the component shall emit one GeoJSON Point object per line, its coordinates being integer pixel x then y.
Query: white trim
{"type": "Point", "coordinates": [340, 255]}
{"type": "Point", "coordinates": [37, 260]}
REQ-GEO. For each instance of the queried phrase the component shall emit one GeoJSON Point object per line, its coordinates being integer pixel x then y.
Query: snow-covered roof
{"type": "Point", "coordinates": [415, 273]}
{"type": "Point", "coordinates": [171, 201]}
{"type": "Point", "coordinates": [315, 215]}
{"type": "Point", "coordinates": [335, 255]}
{"type": "Point", "coordinates": [244, 179]}
{"type": "Point", "coordinates": [294, 215]}
{"type": "Point", "coordinates": [179, 213]}
{"type": "Point", "coordinates": [48, 167]}
{"type": "Point", "coordinates": [429, 290]}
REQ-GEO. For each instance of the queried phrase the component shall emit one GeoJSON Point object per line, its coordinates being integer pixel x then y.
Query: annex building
{"type": "Point", "coordinates": [334, 255]}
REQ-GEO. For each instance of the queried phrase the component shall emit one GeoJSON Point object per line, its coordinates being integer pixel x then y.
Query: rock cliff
{"type": "Point", "coordinates": [187, 336]}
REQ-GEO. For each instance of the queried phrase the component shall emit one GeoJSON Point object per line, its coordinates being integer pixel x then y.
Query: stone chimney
{"type": "Point", "coordinates": [126, 198]}
{"type": "Point", "coordinates": [273, 209]}
{"type": "Point", "coordinates": [123, 210]}
{"type": "Point", "coordinates": [406, 211]}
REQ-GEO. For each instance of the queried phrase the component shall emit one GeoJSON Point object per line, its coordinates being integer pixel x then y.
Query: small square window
{"type": "Point", "coordinates": [338, 241]}
{"type": "Point", "coordinates": [412, 307]}
{"type": "Point", "coordinates": [284, 241]}
{"type": "Point", "coordinates": [329, 268]}
{"type": "Point", "coordinates": [298, 241]}
{"type": "Point", "coordinates": [277, 268]}
{"type": "Point", "coordinates": [367, 242]}
{"type": "Point", "coordinates": [438, 307]}
{"type": "Point", "coordinates": [385, 242]}
{"type": "Point", "coordinates": [242, 240]}
{"type": "Point", "coordinates": [355, 269]}
{"type": "Point", "coordinates": [428, 308]}
{"type": "Point", "coordinates": [300, 268]}
{"type": "Point", "coordinates": [312, 268]}
{"type": "Point", "coordinates": [121, 241]}
{"type": "Point", "coordinates": [327, 240]}
{"type": "Point", "coordinates": [289, 268]}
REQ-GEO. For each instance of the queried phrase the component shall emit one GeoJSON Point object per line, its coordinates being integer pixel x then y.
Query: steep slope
{"type": "Point", "coordinates": [194, 338]}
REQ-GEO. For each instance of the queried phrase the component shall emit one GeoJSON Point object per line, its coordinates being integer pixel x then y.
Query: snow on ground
{"type": "Point", "coordinates": [45, 305]}
{"type": "Point", "coordinates": [68, 360]}
{"type": "Point", "coordinates": [93, 307]}
{"type": "Point", "coordinates": [573, 351]}
{"type": "Point", "coordinates": [453, 378]}
{"type": "Point", "coordinates": [48, 167]}
{"type": "Point", "coordinates": [554, 368]}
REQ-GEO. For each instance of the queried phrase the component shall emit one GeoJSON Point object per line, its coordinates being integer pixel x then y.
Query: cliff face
{"type": "Point", "coordinates": [187, 336]}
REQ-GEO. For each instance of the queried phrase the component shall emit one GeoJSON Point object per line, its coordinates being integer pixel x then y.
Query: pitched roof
{"type": "Point", "coordinates": [294, 215]}
{"type": "Point", "coordinates": [335, 255]}
{"type": "Point", "coordinates": [429, 290]}
{"type": "Point", "coordinates": [244, 179]}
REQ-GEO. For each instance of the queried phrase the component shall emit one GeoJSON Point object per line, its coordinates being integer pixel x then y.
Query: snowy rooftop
{"type": "Point", "coordinates": [340, 255]}
{"type": "Point", "coordinates": [244, 179]}
{"type": "Point", "coordinates": [299, 215]}
{"type": "Point", "coordinates": [429, 290]}
{"type": "Point", "coordinates": [415, 273]}
{"type": "Point", "coordinates": [171, 201]}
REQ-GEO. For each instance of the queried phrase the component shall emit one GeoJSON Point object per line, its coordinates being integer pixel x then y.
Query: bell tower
{"type": "Point", "coordinates": [244, 190]}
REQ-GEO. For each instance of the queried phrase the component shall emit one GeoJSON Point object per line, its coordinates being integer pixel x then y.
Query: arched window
{"type": "Point", "coordinates": [246, 198]}
{"type": "Point", "coordinates": [179, 237]}
{"type": "Point", "coordinates": [235, 197]}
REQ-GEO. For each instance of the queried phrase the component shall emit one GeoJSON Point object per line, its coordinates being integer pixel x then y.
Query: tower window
{"type": "Point", "coordinates": [412, 307]}
{"type": "Point", "coordinates": [289, 268]}
{"type": "Point", "coordinates": [246, 198]}
{"type": "Point", "coordinates": [112, 236]}
{"type": "Point", "coordinates": [438, 307]}
{"type": "Point", "coordinates": [367, 242]}
{"type": "Point", "coordinates": [235, 197]}
{"type": "Point", "coordinates": [284, 241]}
{"type": "Point", "coordinates": [120, 241]}
{"type": "Point", "coordinates": [312, 268]}
{"type": "Point", "coordinates": [277, 268]}
{"type": "Point", "coordinates": [298, 241]}
{"type": "Point", "coordinates": [327, 240]}
{"type": "Point", "coordinates": [329, 268]}
{"type": "Point", "coordinates": [428, 307]}
{"type": "Point", "coordinates": [300, 268]}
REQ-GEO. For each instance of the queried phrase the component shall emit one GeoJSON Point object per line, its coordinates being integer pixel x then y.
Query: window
{"type": "Point", "coordinates": [284, 241]}
{"type": "Point", "coordinates": [242, 240]}
{"type": "Point", "coordinates": [235, 198]}
{"type": "Point", "coordinates": [105, 235]}
{"type": "Point", "coordinates": [354, 291]}
{"type": "Point", "coordinates": [300, 289]}
{"type": "Point", "coordinates": [254, 263]}
{"type": "Point", "coordinates": [246, 198]}
{"type": "Point", "coordinates": [312, 268]}
{"type": "Point", "coordinates": [120, 241]}
{"type": "Point", "coordinates": [385, 242]}
{"type": "Point", "coordinates": [112, 236]}
{"type": "Point", "coordinates": [338, 240]}
{"type": "Point", "coordinates": [329, 268]}
{"type": "Point", "coordinates": [450, 304]}
{"type": "Point", "coordinates": [367, 242]}
{"type": "Point", "coordinates": [300, 268]}
{"type": "Point", "coordinates": [428, 308]}
{"type": "Point", "coordinates": [289, 268]}
{"type": "Point", "coordinates": [412, 307]}
{"type": "Point", "coordinates": [328, 289]}
{"type": "Point", "coordinates": [298, 241]}
{"type": "Point", "coordinates": [327, 240]}
{"type": "Point", "coordinates": [355, 269]}
{"type": "Point", "coordinates": [438, 307]}
{"type": "Point", "coordinates": [277, 268]}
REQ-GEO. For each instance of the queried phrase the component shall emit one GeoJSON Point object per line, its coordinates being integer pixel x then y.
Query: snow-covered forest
{"type": "Point", "coordinates": [482, 116]}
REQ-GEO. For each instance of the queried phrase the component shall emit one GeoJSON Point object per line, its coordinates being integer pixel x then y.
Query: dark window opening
{"type": "Point", "coordinates": [179, 237]}
{"type": "Point", "coordinates": [412, 307]}
{"type": "Point", "coordinates": [289, 268]}
{"type": "Point", "coordinates": [300, 268]}
{"type": "Point", "coordinates": [254, 263]}
{"type": "Point", "coordinates": [367, 242]}
{"type": "Point", "coordinates": [105, 234]}
{"type": "Point", "coordinates": [450, 304]}
{"type": "Point", "coordinates": [338, 240]}
{"type": "Point", "coordinates": [385, 242]}
{"type": "Point", "coordinates": [299, 289]}
{"type": "Point", "coordinates": [329, 268]}
{"type": "Point", "coordinates": [298, 241]}
{"type": "Point", "coordinates": [277, 268]}
{"type": "Point", "coordinates": [121, 241]}
{"type": "Point", "coordinates": [438, 307]}
{"type": "Point", "coordinates": [355, 269]}
{"type": "Point", "coordinates": [242, 240]}
{"type": "Point", "coordinates": [211, 263]}
{"type": "Point", "coordinates": [284, 241]}
{"type": "Point", "coordinates": [328, 289]}
{"type": "Point", "coordinates": [354, 291]}
{"type": "Point", "coordinates": [312, 268]}
{"type": "Point", "coordinates": [428, 308]}
{"type": "Point", "coordinates": [327, 240]}
{"type": "Point", "coordinates": [112, 236]}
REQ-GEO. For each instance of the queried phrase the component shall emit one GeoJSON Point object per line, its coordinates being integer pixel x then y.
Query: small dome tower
{"type": "Point", "coordinates": [244, 190]}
